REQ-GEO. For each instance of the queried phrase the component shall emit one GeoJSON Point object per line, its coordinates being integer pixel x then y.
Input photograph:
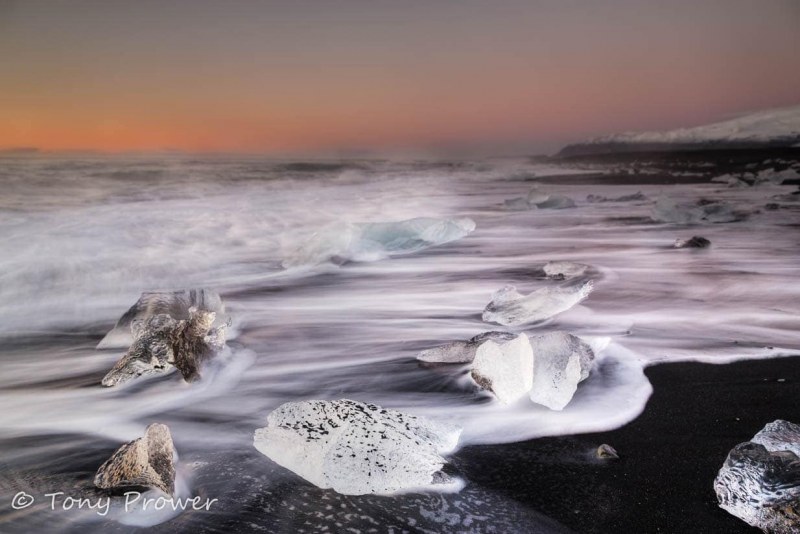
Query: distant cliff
{"type": "Point", "coordinates": [764, 129]}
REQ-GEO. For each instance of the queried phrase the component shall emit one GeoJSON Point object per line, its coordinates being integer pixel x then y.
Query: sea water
{"type": "Point", "coordinates": [82, 237]}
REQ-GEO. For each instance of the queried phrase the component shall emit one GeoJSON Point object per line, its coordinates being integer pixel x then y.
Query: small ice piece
{"type": "Point", "coordinates": [693, 242]}
{"type": "Point", "coordinates": [731, 180]}
{"type": "Point", "coordinates": [560, 362]}
{"type": "Point", "coordinates": [344, 242]}
{"type": "Point", "coordinates": [516, 204]}
{"type": "Point", "coordinates": [789, 197]}
{"type": "Point", "coordinates": [760, 480]}
{"type": "Point", "coordinates": [537, 197]}
{"type": "Point", "coordinates": [635, 197]}
{"type": "Point", "coordinates": [508, 307]}
{"type": "Point", "coordinates": [176, 304]}
{"type": "Point", "coordinates": [144, 462]}
{"type": "Point", "coordinates": [461, 351]}
{"type": "Point", "coordinates": [692, 212]}
{"type": "Point", "coordinates": [505, 369]}
{"type": "Point", "coordinates": [356, 448]}
{"type": "Point", "coordinates": [555, 202]}
{"type": "Point", "coordinates": [562, 270]}
{"type": "Point", "coordinates": [773, 177]}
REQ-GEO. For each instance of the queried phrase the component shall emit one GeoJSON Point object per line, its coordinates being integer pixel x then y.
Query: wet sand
{"type": "Point", "coordinates": [669, 455]}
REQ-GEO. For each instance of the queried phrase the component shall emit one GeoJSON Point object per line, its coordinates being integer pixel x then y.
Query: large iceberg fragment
{"type": "Point", "coordinates": [505, 369]}
{"type": "Point", "coordinates": [560, 362]}
{"type": "Point", "coordinates": [760, 479]}
{"type": "Point", "coordinates": [692, 212]}
{"type": "Point", "coordinates": [356, 448]}
{"type": "Point", "coordinates": [342, 242]}
{"type": "Point", "coordinates": [461, 351]}
{"type": "Point", "coordinates": [176, 304]}
{"type": "Point", "coordinates": [508, 307]}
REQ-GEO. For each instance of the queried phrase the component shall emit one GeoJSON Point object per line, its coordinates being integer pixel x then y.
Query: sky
{"type": "Point", "coordinates": [370, 76]}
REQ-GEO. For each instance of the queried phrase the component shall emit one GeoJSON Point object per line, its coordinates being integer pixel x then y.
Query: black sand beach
{"type": "Point", "coordinates": [669, 455]}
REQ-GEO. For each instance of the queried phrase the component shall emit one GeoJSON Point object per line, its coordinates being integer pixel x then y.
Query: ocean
{"type": "Point", "coordinates": [330, 298]}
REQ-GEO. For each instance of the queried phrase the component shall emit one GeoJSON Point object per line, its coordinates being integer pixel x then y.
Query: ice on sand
{"type": "Point", "coordinates": [356, 448]}
{"type": "Point", "coordinates": [760, 480]}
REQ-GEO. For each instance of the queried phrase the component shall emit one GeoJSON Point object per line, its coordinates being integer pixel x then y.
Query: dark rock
{"type": "Point", "coordinates": [694, 242]}
{"type": "Point", "coordinates": [607, 452]}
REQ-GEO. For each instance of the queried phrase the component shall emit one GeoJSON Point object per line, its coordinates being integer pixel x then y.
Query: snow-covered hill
{"type": "Point", "coordinates": [774, 127]}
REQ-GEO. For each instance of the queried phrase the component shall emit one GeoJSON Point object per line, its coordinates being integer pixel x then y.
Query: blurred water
{"type": "Point", "coordinates": [81, 238]}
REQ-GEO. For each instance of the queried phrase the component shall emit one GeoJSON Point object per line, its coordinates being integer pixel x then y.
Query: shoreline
{"type": "Point", "coordinates": [669, 455]}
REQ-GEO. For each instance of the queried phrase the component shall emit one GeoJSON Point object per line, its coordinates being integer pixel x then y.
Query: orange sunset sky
{"type": "Point", "coordinates": [301, 76]}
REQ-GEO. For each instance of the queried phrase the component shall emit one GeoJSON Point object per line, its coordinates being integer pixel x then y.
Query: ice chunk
{"type": "Point", "coordinates": [789, 197]}
{"type": "Point", "coordinates": [773, 177]}
{"type": "Point", "coordinates": [538, 200]}
{"type": "Point", "coordinates": [537, 197]}
{"type": "Point", "coordinates": [504, 369]}
{"type": "Point", "coordinates": [731, 180]}
{"type": "Point", "coordinates": [176, 304]}
{"type": "Point", "coordinates": [556, 202]}
{"type": "Point", "coordinates": [356, 448]}
{"type": "Point", "coordinates": [373, 241]}
{"type": "Point", "coordinates": [779, 435]}
{"type": "Point", "coordinates": [461, 351]}
{"type": "Point", "coordinates": [638, 196]}
{"type": "Point", "coordinates": [562, 270]}
{"type": "Point", "coordinates": [508, 307]}
{"type": "Point", "coordinates": [516, 204]}
{"type": "Point", "coordinates": [161, 343]}
{"type": "Point", "coordinates": [560, 362]}
{"type": "Point", "coordinates": [760, 479]}
{"type": "Point", "coordinates": [691, 212]}
{"type": "Point", "coordinates": [144, 462]}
